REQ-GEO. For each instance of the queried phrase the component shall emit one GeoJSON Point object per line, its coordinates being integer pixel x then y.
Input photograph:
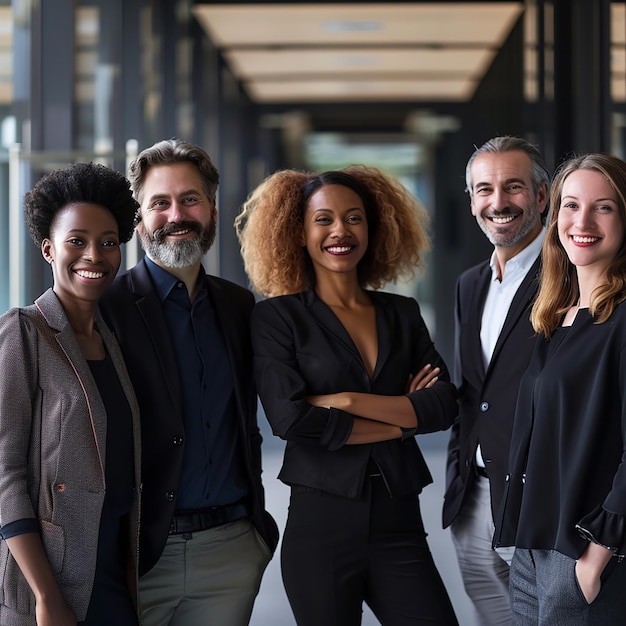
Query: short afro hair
{"type": "Point", "coordinates": [82, 182]}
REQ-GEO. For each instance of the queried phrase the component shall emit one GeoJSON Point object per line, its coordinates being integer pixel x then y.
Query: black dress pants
{"type": "Point", "coordinates": [338, 553]}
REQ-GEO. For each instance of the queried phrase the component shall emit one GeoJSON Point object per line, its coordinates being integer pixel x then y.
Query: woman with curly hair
{"type": "Point", "coordinates": [69, 422]}
{"type": "Point", "coordinates": [347, 376]}
{"type": "Point", "coordinates": [565, 504]}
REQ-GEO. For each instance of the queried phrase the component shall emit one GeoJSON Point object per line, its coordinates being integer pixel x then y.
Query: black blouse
{"type": "Point", "coordinates": [567, 481]}
{"type": "Point", "coordinates": [111, 599]}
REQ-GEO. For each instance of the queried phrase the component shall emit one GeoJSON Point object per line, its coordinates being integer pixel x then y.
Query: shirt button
{"type": "Point", "coordinates": [178, 440]}
{"type": "Point", "coordinates": [484, 406]}
{"type": "Point", "coordinates": [169, 496]}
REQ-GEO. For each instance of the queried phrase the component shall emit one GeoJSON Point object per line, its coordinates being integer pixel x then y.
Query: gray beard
{"type": "Point", "coordinates": [174, 254]}
{"type": "Point", "coordinates": [177, 254]}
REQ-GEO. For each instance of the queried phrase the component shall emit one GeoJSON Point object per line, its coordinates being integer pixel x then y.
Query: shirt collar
{"type": "Point", "coordinates": [524, 258]}
{"type": "Point", "coordinates": [163, 281]}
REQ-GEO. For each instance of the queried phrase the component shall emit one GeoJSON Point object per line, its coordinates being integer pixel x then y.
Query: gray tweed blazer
{"type": "Point", "coordinates": [53, 450]}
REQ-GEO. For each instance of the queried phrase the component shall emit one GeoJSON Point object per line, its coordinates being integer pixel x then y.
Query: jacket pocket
{"type": "Point", "coordinates": [53, 538]}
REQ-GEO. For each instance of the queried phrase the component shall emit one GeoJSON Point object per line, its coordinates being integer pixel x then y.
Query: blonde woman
{"type": "Point", "coordinates": [565, 506]}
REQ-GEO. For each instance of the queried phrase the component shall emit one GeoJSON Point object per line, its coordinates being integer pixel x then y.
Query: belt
{"type": "Point", "coordinates": [194, 521]}
{"type": "Point", "coordinates": [481, 471]}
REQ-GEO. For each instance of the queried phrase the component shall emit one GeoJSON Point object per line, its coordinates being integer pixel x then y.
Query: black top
{"type": "Point", "coordinates": [111, 600]}
{"type": "Point", "coordinates": [569, 441]}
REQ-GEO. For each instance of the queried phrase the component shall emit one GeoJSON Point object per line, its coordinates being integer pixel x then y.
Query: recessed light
{"type": "Point", "coordinates": [352, 26]}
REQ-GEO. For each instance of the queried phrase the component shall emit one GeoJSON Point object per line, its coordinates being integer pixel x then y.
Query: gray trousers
{"type": "Point", "coordinates": [545, 592]}
{"type": "Point", "coordinates": [205, 578]}
{"type": "Point", "coordinates": [485, 572]}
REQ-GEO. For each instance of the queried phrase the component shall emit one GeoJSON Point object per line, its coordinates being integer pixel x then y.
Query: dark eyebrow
{"type": "Point", "coordinates": [82, 231]}
{"type": "Point", "coordinates": [508, 181]}
{"type": "Point", "coordinates": [573, 197]}
{"type": "Point", "coordinates": [167, 196]}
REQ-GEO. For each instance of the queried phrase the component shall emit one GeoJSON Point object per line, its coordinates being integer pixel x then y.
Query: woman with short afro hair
{"type": "Point", "coordinates": [347, 376]}
{"type": "Point", "coordinates": [69, 420]}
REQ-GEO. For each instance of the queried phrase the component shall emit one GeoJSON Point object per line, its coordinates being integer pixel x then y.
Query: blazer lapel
{"type": "Point", "coordinates": [330, 323]}
{"type": "Point", "coordinates": [477, 297]}
{"type": "Point", "coordinates": [151, 311]}
{"type": "Point", "coordinates": [385, 326]}
{"type": "Point", "coordinates": [52, 311]}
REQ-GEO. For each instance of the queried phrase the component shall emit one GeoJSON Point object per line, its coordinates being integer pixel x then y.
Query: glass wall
{"type": "Point", "coordinates": [80, 78]}
{"type": "Point", "coordinates": [94, 80]}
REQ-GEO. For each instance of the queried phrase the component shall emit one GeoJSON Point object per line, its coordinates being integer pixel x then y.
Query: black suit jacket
{"type": "Point", "coordinates": [133, 311]}
{"type": "Point", "coordinates": [487, 398]}
{"type": "Point", "coordinates": [302, 349]}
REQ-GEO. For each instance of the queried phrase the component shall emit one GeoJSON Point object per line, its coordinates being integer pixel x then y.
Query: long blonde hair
{"type": "Point", "coordinates": [558, 290]}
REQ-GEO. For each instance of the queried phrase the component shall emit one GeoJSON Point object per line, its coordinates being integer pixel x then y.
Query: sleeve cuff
{"type": "Point", "coordinates": [19, 527]}
{"type": "Point", "coordinates": [604, 528]}
{"type": "Point", "coordinates": [337, 429]}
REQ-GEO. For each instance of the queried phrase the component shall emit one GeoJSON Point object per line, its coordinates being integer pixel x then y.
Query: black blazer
{"type": "Point", "coordinates": [133, 311]}
{"type": "Point", "coordinates": [301, 349]}
{"type": "Point", "coordinates": [486, 398]}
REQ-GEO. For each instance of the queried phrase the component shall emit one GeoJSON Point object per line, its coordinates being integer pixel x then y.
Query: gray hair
{"type": "Point", "coordinates": [170, 152]}
{"type": "Point", "coordinates": [538, 171]}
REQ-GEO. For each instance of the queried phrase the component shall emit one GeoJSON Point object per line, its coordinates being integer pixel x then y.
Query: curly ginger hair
{"type": "Point", "coordinates": [271, 222]}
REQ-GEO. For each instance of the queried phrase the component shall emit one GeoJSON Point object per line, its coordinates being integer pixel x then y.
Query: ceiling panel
{"type": "Point", "coordinates": [357, 61]}
{"type": "Point", "coordinates": [343, 52]}
{"type": "Point", "coordinates": [267, 91]}
{"type": "Point", "coordinates": [314, 24]}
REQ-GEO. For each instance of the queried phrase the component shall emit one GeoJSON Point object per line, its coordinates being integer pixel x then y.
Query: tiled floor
{"type": "Point", "coordinates": [272, 608]}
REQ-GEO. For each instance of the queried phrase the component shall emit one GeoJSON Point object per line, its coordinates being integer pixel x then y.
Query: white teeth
{"type": "Point", "coordinates": [86, 274]}
{"type": "Point", "coordinates": [579, 239]}
{"type": "Point", "coordinates": [503, 220]}
{"type": "Point", "coordinates": [180, 232]}
{"type": "Point", "coordinates": [339, 249]}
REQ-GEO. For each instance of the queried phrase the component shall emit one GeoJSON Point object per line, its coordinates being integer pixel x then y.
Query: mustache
{"type": "Point", "coordinates": [502, 213]}
{"type": "Point", "coordinates": [161, 233]}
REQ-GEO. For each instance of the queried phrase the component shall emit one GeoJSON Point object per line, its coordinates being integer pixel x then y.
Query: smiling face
{"type": "Point", "coordinates": [178, 221]}
{"type": "Point", "coordinates": [84, 252]}
{"type": "Point", "coordinates": [503, 200]}
{"type": "Point", "coordinates": [335, 230]}
{"type": "Point", "coordinates": [590, 223]}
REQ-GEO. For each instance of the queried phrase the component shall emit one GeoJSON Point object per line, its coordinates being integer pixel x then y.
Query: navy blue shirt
{"type": "Point", "coordinates": [213, 472]}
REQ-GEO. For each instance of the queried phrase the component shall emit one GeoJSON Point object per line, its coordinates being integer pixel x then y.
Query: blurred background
{"type": "Point", "coordinates": [410, 87]}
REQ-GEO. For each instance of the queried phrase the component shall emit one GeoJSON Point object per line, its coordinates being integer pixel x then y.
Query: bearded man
{"type": "Point", "coordinates": [205, 536]}
{"type": "Point", "coordinates": [507, 182]}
